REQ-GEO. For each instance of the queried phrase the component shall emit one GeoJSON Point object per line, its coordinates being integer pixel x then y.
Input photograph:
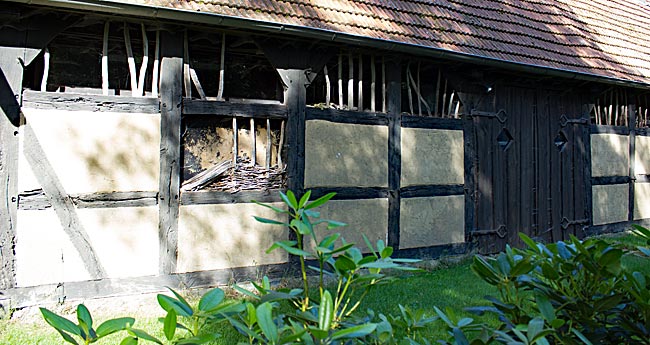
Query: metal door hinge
{"type": "Point", "coordinates": [580, 121]}
{"type": "Point", "coordinates": [500, 115]}
{"type": "Point", "coordinates": [566, 222]}
{"type": "Point", "coordinates": [501, 231]}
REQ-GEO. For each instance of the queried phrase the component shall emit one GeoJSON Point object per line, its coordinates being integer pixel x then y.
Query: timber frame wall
{"type": "Point", "coordinates": [296, 72]}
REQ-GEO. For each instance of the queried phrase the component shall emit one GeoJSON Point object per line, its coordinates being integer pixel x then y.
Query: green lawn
{"type": "Point", "coordinates": [454, 286]}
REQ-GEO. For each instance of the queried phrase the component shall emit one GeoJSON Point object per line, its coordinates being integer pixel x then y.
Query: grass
{"type": "Point", "coordinates": [453, 286]}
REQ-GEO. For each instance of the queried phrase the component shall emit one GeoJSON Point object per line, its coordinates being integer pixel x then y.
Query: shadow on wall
{"type": "Point", "coordinates": [345, 155]}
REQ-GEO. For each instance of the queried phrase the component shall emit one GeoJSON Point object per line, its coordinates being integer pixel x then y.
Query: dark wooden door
{"type": "Point", "coordinates": [530, 168]}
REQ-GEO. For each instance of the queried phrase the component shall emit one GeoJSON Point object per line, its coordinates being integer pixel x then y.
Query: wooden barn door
{"type": "Point", "coordinates": [530, 164]}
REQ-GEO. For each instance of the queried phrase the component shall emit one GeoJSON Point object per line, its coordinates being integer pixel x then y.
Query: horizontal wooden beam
{"type": "Point", "coordinates": [95, 103]}
{"type": "Point", "coordinates": [344, 116]}
{"type": "Point", "coordinates": [435, 252]}
{"type": "Point", "coordinates": [616, 227]}
{"type": "Point", "coordinates": [642, 179]}
{"type": "Point", "coordinates": [350, 193]}
{"type": "Point", "coordinates": [599, 129]}
{"type": "Point", "coordinates": [73, 291]}
{"type": "Point", "coordinates": [409, 121]}
{"type": "Point", "coordinates": [219, 108]}
{"type": "Point", "coordinates": [645, 131]}
{"type": "Point", "coordinates": [37, 200]}
{"type": "Point", "coordinates": [216, 197]}
{"type": "Point", "coordinates": [601, 180]}
{"type": "Point", "coordinates": [431, 190]}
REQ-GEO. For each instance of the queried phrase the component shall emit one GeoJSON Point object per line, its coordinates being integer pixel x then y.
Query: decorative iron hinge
{"type": "Point", "coordinates": [500, 115]}
{"type": "Point", "coordinates": [566, 222]}
{"type": "Point", "coordinates": [501, 231]}
{"type": "Point", "coordinates": [580, 121]}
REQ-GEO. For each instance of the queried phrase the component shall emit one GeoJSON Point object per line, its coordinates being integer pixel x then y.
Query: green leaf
{"type": "Point", "coordinates": [287, 245]}
{"type": "Point", "coordinates": [169, 303]}
{"type": "Point", "coordinates": [114, 325]}
{"type": "Point", "coordinates": [329, 241]}
{"type": "Point", "coordinates": [386, 252]}
{"type": "Point", "coordinates": [169, 325]}
{"type": "Point", "coordinates": [535, 327]}
{"type": "Point", "coordinates": [325, 312]}
{"type": "Point", "coordinates": [332, 224]}
{"type": "Point", "coordinates": [302, 228]}
{"type": "Point", "coordinates": [67, 337]}
{"type": "Point", "coordinates": [129, 341]}
{"type": "Point", "coordinates": [304, 199]}
{"type": "Point", "coordinates": [140, 334]}
{"type": "Point", "coordinates": [85, 320]}
{"type": "Point", "coordinates": [269, 221]}
{"type": "Point", "coordinates": [200, 339]}
{"type": "Point", "coordinates": [459, 337]}
{"type": "Point", "coordinates": [277, 245]}
{"type": "Point", "coordinates": [276, 209]}
{"type": "Point", "coordinates": [354, 332]}
{"type": "Point", "coordinates": [582, 337]}
{"type": "Point", "coordinates": [60, 323]}
{"type": "Point", "coordinates": [320, 201]}
{"type": "Point", "coordinates": [529, 242]}
{"type": "Point", "coordinates": [265, 320]}
{"type": "Point", "coordinates": [545, 307]}
{"type": "Point", "coordinates": [211, 299]}
{"type": "Point", "coordinates": [245, 292]}
{"type": "Point", "coordinates": [290, 199]}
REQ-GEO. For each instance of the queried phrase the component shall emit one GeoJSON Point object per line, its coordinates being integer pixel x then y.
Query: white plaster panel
{"type": "Point", "coordinates": [125, 241]}
{"type": "Point", "coordinates": [610, 203]}
{"type": "Point", "coordinates": [610, 155]}
{"type": "Point", "coordinates": [432, 221]}
{"type": "Point", "coordinates": [367, 216]}
{"type": "Point", "coordinates": [345, 155]}
{"type": "Point", "coordinates": [641, 200]}
{"type": "Point", "coordinates": [642, 155]}
{"type": "Point", "coordinates": [432, 156]}
{"type": "Point", "coordinates": [96, 152]}
{"type": "Point", "coordinates": [224, 236]}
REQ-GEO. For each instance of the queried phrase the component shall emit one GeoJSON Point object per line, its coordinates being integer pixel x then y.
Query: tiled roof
{"type": "Point", "coordinates": [609, 38]}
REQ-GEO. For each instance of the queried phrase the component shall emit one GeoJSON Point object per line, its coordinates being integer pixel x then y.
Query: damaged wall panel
{"type": "Point", "coordinates": [45, 255]}
{"type": "Point", "coordinates": [93, 152]}
{"type": "Point", "coordinates": [224, 236]}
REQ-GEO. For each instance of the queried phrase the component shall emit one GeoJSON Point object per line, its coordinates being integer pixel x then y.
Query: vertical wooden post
{"type": "Point", "coordinates": [235, 149]}
{"type": "Point", "coordinates": [436, 105]}
{"type": "Point", "coordinates": [340, 81]}
{"type": "Point", "coordinates": [46, 69]}
{"type": "Point", "coordinates": [350, 82]}
{"type": "Point", "coordinates": [586, 144]}
{"type": "Point", "coordinates": [631, 115]}
{"type": "Point", "coordinates": [145, 61]}
{"type": "Point", "coordinates": [328, 87]}
{"type": "Point", "coordinates": [171, 97]}
{"type": "Point", "coordinates": [105, 59]}
{"type": "Point", "coordinates": [253, 142]}
{"type": "Point", "coordinates": [222, 67]}
{"type": "Point", "coordinates": [11, 76]}
{"type": "Point", "coordinates": [373, 84]}
{"type": "Point", "coordinates": [133, 76]}
{"type": "Point", "coordinates": [384, 106]}
{"type": "Point", "coordinates": [394, 103]}
{"type": "Point", "coordinates": [360, 84]}
{"type": "Point", "coordinates": [156, 67]}
{"type": "Point", "coordinates": [187, 79]}
{"type": "Point", "coordinates": [295, 98]}
{"type": "Point", "coordinates": [268, 143]}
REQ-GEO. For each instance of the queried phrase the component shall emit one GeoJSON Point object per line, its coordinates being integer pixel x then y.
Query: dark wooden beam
{"type": "Point", "coordinates": [296, 82]}
{"type": "Point", "coordinates": [431, 190]}
{"type": "Point", "coordinates": [11, 77]}
{"type": "Point", "coordinates": [470, 162]}
{"type": "Point", "coordinates": [171, 98]}
{"type": "Point", "coordinates": [409, 121]}
{"type": "Point", "coordinates": [615, 227]}
{"type": "Point", "coordinates": [79, 291]}
{"type": "Point", "coordinates": [601, 180]}
{"type": "Point", "coordinates": [97, 103]}
{"type": "Point", "coordinates": [344, 116]}
{"type": "Point", "coordinates": [586, 141]}
{"type": "Point", "coordinates": [37, 200]}
{"type": "Point", "coordinates": [435, 252]}
{"type": "Point", "coordinates": [351, 193]}
{"type": "Point", "coordinates": [227, 109]}
{"type": "Point", "coordinates": [393, 97]}
{"type": "Point", "coordinates": [215, 197]}
{"type": "Point", "coordinates": [631, 113]}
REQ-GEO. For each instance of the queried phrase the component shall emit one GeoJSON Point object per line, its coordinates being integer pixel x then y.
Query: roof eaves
{"type": "Point", "coordinates": [157, 12]}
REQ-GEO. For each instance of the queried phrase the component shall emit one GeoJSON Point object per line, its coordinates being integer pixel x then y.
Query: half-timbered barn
{"type": "Point", "coordinates": [134, 134]}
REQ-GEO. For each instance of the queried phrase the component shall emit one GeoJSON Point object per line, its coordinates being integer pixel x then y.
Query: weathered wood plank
{"type": "Point", "coordinates": [351, 193]}
{"type": "Point", "coordinates": [227, 109]}
{"type": "Point", "coordinates": [409, 121]}
{"type": "Point", "coordinates": [76, 291]}
{"type": "Point", "coordinates": [216, 197]}
{"type": "Point", "coordinates": [346, 116]}
{"type": "Point", "coordinates": [470, 176]}
{"type": "Point", "coordinates": [11, 76]}
{"type": "Point", "coordinates": [434, 252]}
{"type": "Point", "coordinates": [171, 97]}
{"type": "Point", "coordinates": [61, 203]}
{"type": "Point", "coordinates": [37, 200]}
{"type": "Point", "coordinates": [95, 103]}
{"type": "Point", "coordinates": [433, 190]}
{"type": "Point", "coordinates": [295, 100]}
{"type": "Point", "coordinates": [601, 180]}
{"type": "Point", "coordinates": [631, 116]}
{"type": "Point", "coordinates": [394, 104]}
